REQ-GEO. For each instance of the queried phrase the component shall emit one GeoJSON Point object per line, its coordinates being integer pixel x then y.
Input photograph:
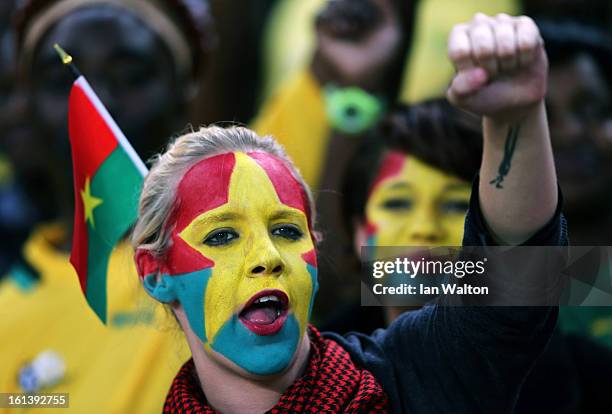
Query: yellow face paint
{"type": "Point", "coordinates": [416, 205]}
{"type": "Point", "coordinates": [257, 244]}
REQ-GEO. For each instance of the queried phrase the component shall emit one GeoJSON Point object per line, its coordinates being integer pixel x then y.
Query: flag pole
{"type": "Point", "coordinates": [67, 60]}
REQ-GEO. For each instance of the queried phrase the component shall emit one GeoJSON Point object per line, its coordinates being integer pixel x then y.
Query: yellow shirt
{"type": "Point", "coordinates": [125, 367]}
{"type": "Point", "coordinates": [296, 118]}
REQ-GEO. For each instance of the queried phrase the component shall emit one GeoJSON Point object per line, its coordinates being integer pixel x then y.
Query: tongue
{"type": "Point", "coordinates": [262, 316]}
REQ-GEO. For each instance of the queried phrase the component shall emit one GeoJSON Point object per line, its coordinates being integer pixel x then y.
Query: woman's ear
{"type": "Point", "coordinates": [146, 263]}
{"type": "Point", "coordinates": [360, 236]}
{"type": "Point", "coordinates": [158, 285]}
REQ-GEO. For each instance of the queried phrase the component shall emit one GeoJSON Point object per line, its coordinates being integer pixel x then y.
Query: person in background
{"type": "Point", "coordinates": [360, 44]}
{"type": "Point", "coordinates": [579, 104]}
{"type": "Point", "coordinates": [143, 60]}
{"type": "Point", "coordinates": [18, 211]}
{"type": "Point", "coordinates": [355, 44]}
{"type": "Point", "coordinates": [408, 184]}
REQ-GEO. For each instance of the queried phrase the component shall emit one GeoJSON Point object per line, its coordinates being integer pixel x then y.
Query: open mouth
{"type": "Point", "coordinates": [266, 312]}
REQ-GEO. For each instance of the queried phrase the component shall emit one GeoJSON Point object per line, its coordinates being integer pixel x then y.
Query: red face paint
{"type": "Point", "coordinates": [288, 189]}
{"type": "Point", "coordinates": [205, 186]}
{"type": "Point", "coordinates": [310, 258]}
{"type": "Point", "coordinates": [390, 166]}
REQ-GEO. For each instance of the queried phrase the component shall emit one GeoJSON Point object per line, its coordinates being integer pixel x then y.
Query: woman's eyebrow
{"type": "Point", "coordinates": [218, 217]}
{"type": "Point", "coordinates": [400, 185]}
{"type": "Point", "coordinates": [286, 214]}
{"type": "Point", "coordinates": [457, 186]}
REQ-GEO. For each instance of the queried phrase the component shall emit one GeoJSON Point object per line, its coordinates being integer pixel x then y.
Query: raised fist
{"type": "Point", "coordinates": [501, 66]}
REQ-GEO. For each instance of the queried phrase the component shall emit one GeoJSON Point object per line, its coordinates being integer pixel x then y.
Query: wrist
{"type": "Point", "coordinates": [495, 127]}
{"type": "Point", "coordinates": [514, 116]}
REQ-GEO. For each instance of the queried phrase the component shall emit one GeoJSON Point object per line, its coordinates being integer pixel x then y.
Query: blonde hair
{"type": "Point", "coordinates": [157, 198]}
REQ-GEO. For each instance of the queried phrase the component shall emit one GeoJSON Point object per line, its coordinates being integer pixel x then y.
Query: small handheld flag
{"type": "Point", "coordinates": [108, 176]}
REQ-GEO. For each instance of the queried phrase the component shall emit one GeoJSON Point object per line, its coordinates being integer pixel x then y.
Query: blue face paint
{"type": "Point", "coordinates": [371, 241]}
{"type": "Point", "coordinates": [188, 289]}
{"type": "Point", "coordinates": [370, 251]}
{"type": "Point", "coordinates": [259, 355]}
{"type": "Point", "coordinates": [263, 355]}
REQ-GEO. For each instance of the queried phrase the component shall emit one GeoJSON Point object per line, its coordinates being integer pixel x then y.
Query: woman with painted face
{"type": "Point", "coordinates": [226, 238]}
{"type": "Point", "coordinates": [408, 184]}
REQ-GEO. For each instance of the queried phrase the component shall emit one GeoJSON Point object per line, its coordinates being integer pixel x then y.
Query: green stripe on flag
{"type": "Point", "coordinates": [117, 183]}
{"type": "Point", "coordinates": [98, 255]}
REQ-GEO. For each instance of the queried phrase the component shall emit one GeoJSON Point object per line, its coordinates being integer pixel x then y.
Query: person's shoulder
{"type": "Point", "coordinates": [377, 346]}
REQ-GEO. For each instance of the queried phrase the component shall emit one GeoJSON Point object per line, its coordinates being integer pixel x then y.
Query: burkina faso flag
{"type": "Point", "coordinates": [108, 176]}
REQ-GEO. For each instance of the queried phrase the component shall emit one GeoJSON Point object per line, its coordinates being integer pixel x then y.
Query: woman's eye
{"type": "Point", "coordinates": [288, 232]}
{"type": "Point", "coordinates": [220, 237]}
{"type": "Point", "coordinates": [397, 204]}
{"type": "Point", "coordinates": [455, 207]}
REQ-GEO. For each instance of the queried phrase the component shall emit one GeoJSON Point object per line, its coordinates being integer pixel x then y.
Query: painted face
{"type": "Point", "coordinates": [413, 204]}
{"type": "Point", "coordinates": [242, 261]}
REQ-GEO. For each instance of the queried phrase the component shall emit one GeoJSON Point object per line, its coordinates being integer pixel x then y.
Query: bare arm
{"type": "Point", "coordinates": [501, 74]}
{"type": "Point", "coordinates": [527, 197]}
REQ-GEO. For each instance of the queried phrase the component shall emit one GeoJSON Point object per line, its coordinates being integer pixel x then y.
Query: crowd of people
{"type": "Point", "coordinates": [331, 125]}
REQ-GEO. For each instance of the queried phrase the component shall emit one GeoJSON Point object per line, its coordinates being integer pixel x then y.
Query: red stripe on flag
{"type": "Point", "coordinates": [91, 138]}
{"type": "Point", "coordinates": [92, 141]}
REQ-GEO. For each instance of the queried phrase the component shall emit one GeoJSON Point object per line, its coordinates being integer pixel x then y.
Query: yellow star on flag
{"type": "Point", "coordinates": [89, 203]}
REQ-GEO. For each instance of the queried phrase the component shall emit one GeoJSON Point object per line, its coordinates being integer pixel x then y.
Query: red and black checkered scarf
{"type": "Point", "coordinates": [331, 384]}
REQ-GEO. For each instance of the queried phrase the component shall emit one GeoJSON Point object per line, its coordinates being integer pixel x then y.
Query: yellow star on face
{"type": "Point", "coordinates": [89, 203]}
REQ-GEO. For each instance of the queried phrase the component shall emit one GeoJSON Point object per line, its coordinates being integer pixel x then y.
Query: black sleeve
{"type": "Point", "coordinates": [460, 359]}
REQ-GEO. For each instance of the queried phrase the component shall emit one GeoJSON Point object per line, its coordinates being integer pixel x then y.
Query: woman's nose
{"type": "Point", "coordinates": [425, 229]}
{"type": "Point", "coordinates": [263, 269]}
{"type": "Point", "coordinates": [266, 259]}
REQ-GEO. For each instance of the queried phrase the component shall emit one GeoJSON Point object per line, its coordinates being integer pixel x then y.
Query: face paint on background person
{"type": "Point", "coordinates": [414, 204]}
{"type": "Point", "coordinates": [243, 233]}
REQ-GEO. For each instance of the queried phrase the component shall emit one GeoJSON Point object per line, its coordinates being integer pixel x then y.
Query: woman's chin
{"type": "Point", "coordinates": [261, 371]}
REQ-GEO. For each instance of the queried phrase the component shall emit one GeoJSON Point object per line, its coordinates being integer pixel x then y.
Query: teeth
{"type": "Point", "coordinates": [269, 298]}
